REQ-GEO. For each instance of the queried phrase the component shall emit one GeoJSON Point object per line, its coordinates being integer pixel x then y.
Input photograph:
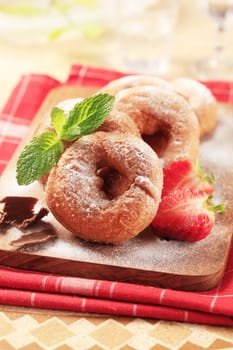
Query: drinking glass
{"type": "Point", "coordinates": [145, 33]}
{"type": "Point", "coordinates": [217, 65]}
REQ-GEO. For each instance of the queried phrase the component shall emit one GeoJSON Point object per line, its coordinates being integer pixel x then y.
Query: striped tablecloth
{"type": "Point", "coordinates": [39, 290]}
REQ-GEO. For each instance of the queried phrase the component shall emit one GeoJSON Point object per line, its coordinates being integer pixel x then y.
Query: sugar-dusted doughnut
{"type": "Point", "coordinates": [201, 101]}
{"type": "Point", "coordinates": [159, 111]}
{"type": "Point", "coordinates": [106, 187]}
{"type": "Point", "coordinates": [200, 98]}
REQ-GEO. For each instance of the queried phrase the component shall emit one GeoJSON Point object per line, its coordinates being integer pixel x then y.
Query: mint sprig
{"type": "Point", "coordinates": [87, 116]}
{"type": "Point", "coordinates": [43, 151]}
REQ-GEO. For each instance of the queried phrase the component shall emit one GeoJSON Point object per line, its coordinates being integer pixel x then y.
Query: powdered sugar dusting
{"type": "Point", "coordinates": [195, 92]}
{"type": "Point", "coordinates": [68, 104]}
{"type": "Point", "coordinates": [150, 253]}
{"type": "Point", "coordinates": [85, 207]}
{"type": "Point", "coordinates": [153, 109]}
{"type": "Point", "coordinates": [146, 251]}
{"type": "Point", "coordinates": [215, 149]}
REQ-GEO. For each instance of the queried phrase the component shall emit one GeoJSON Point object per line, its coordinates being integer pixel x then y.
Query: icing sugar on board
{"type": "Point", "coordinates": [144, 259]}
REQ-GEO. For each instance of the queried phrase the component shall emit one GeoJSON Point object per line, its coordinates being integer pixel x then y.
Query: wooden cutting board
{"type": "Point", "coordinates": [145, 259]}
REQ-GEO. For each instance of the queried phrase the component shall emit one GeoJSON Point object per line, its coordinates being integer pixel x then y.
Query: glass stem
{"type": "Point", "coordinates": [220, 40]}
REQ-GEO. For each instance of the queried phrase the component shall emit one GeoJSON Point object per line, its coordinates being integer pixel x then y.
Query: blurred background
{"type": "Point", "coordinates": [166, 38]}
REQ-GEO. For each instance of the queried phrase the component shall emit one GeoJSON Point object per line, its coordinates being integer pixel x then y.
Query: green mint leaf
{"type": "Point", "coordinates": [38, 157]}
{"type": "Point", "coordinates": [87, 116]}
{"type": "Point", "coordinates": [58, 119]}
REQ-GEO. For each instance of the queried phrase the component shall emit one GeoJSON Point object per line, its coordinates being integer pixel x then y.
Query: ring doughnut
{"type": "Point", "coordinates": [100, 208]}
{"type": "Point", "coordinates": [196, 94]}
{"type": "Point", "coordinates": [155, 111]}
{"type": "Point", "coordinates": [201, 101]}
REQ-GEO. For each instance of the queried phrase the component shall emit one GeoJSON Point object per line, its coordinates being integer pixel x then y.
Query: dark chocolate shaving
{"type": "Point", "coordinates": [31, 238]}
{"type": "Point", "coordinates": [19, 211]}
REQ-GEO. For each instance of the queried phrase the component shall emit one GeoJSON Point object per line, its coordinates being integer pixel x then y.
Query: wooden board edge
{"type": "Point", "coordinates": [98, 271]}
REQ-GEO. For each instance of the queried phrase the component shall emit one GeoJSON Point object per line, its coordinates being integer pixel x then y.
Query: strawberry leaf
{"type": "Point", "coordinates": [218, 208]}
{"type": "Point", "coordinates": [210, 178]}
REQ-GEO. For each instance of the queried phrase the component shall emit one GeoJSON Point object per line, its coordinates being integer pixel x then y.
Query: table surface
{"type": "Point", "coordinates": [27, 329]}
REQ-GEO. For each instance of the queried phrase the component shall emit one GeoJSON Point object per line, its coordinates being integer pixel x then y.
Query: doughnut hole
{"type": "Point", "coordinates": [158, 141]}
{"type": "Point", "coordinates": [114, 182]}
{"type": "Point", "coordinates": [167, 117]}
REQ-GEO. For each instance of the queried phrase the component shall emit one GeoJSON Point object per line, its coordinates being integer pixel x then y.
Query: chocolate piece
{"type": "Point", "coordinates": [31, 238]}
{"type": "Point", "coordinates": [19, 211]}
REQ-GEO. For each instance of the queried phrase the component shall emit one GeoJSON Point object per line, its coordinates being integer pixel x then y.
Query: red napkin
{"type": "Point", "coordinates": [26, 288]}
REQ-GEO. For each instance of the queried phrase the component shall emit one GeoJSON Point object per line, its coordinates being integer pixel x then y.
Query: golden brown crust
{"type": "Point", "coordinates": [77, 194]}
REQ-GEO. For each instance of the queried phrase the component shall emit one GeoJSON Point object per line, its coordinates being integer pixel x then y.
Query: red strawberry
{"type": "Point", "coordinates": [185, 211]}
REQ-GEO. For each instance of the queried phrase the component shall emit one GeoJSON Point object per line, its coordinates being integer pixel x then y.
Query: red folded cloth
{"type": "Point", "coordinates": [26, 288]}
